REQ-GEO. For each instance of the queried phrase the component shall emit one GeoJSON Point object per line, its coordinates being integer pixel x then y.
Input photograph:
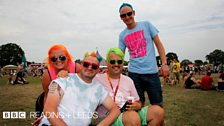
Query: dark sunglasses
{"type": "Point", "coordinates": [61, 58]}
{"type": "Point", "coordinates": [127, 14]}
{"type": "Point", "coordinates": [93, 65]}
{"type": "Point", "coordinates": [116, 61]}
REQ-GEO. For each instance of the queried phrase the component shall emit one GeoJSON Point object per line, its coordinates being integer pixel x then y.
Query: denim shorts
{"type": "Point", "coordinates": [149, 83]}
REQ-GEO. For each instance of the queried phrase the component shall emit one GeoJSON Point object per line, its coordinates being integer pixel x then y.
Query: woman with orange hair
{"type": "Point", "coordinates": [58, 59]}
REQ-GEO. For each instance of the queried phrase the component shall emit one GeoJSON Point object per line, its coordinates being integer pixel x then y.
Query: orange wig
{"type": "Point", "coordinates": [57, 47]}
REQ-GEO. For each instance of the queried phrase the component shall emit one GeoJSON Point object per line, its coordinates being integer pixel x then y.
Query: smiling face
{"type": "Point", "coordinates": [127, 16]}
{"type": "Point", "coordinates": [114, 69]}
{"type": "Point", "coordinates": [59, 62]}
{"type": "Point", "coordinates": [89, 68]}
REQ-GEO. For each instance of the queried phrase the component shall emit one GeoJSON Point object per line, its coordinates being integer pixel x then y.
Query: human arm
{"type": "Point", "coordinates": [161, 51]}
{"type": "Point", "coordinates": [46, 80]}
{"type": "Point", "coordinates": [50, 109]}
{"type": "Point", "coordinates": [64, 73]}
{"type": "Point", "coordinates": [195, 80]}
{"type": "Point", "coordinates": [114, 112]}
{"type": "Point", "coordinates": [137, 105]}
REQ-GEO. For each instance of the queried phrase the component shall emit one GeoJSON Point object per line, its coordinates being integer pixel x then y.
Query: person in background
{"type": "Point", "coordinates": [206, 82]}
{"type": "Point", "coordinates": [20, 76]}
{"type": "Point", "coordinates": [184, 78]}
{"type": "Point", "coordinates": [120, 87]}
{"type": "Point", "coordinates": [176, 71]}
{"type": "Point", "coordinates": [221, 82]}
{"type": "Point", "coordinates": [191, 82]}
{"type": "Point", "coordinates": [139, 38]}
{"type": "Point", "coordinates": [58, 59]}
{"type": "Point", "coordinates": [75, 98]}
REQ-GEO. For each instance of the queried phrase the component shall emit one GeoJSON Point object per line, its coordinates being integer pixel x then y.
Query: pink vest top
{"type": "Point", "coordinates": [53, 74]}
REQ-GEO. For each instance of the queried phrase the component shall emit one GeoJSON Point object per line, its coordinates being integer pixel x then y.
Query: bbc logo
{"type": "Point", "coordinates": [14, 115]}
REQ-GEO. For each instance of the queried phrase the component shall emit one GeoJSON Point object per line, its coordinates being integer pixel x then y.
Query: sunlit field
{"type": "Point", "coordinates": [184, 107]}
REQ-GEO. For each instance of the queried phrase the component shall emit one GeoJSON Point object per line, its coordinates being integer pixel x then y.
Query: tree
{"type": "Point", "coordinates": [216, 57]}
{"type": "Point", "coordinates": [11, 53]}
{"type": "Point", "coordinates": [205, 63]}
{"type": "Point", "coordinates": [198, 62]}
{"type": "Point", "coordinates": [185, 62]}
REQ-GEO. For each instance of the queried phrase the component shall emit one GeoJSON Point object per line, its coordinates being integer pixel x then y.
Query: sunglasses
{"type": "Point", "coordinates": [116, 61]}
{"type": "Point", "coordinates": [127, 14]}
{"type": "Point", "coordinates": [93, 65]}
{"type": "Point", "coordinates": [61, 58]}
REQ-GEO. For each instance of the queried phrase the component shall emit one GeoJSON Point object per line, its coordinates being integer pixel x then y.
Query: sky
{"type": "Point", "coordinates": [190, 28]}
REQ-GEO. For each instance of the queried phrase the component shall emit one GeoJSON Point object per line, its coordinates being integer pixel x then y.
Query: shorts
{"type": "Point", "coordinates": [142, 113]}
{"type": "Point", "coordinates": [149, 83]}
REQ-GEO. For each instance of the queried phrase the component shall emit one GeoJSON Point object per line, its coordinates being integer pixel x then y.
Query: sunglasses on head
{"type": "Point", "coordinates": [93, 65]}
{"type": "Point", "coordinates": [127, 14]}
{"type": "Point", "coordinates": [55, 58]}
{"type": "Point", "coordinates": [116, 61]}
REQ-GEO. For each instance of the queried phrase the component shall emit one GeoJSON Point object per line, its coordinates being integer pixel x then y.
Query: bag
{"type": "Point", "coordinates": [39, 104]}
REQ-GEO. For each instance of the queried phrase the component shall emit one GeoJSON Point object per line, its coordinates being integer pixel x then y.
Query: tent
{"type": "Point", "coordinates": [10, 67]}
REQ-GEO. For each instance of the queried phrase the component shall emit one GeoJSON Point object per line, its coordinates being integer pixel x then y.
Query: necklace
{"type": "Point", "coordinates": [116, 89]}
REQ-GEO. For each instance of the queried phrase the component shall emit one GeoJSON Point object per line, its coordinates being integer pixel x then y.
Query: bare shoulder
{"type": "Point", "coordinates": [45, 80]}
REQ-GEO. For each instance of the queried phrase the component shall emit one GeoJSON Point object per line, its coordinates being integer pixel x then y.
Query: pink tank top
{"type": "Point", "coordinates": [53, 74]}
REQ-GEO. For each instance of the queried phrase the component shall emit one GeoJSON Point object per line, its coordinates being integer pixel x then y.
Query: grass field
{"type": "Point", "coordinates": [184, 107]}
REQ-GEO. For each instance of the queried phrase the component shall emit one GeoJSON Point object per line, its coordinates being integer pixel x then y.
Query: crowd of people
{"type": "Point", "coordinates": [71, 88]}
{"type": "Point", "coordinates": [189, 79]}
{"type": "Point", "coordinates": [205, 83]}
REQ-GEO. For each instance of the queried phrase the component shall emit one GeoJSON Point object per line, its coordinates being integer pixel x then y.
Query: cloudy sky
{"type": "Point", "coordinates": [190, 28]}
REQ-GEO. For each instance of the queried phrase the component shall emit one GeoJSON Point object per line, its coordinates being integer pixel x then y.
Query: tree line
{"type": "Point", "coordinates": [11, 53]}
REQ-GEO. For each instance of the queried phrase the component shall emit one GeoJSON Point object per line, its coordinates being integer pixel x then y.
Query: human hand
{"type": "Point", "coordinates": [132, 106]}
{"type": "Point", "coordinates": [37, 121]}
{"type": "Point", "coordinates": [164, 70]}
{"type": "Point", "coordinates": [62, 73]}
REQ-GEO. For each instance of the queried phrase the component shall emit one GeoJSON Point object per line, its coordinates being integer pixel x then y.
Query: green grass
{"type": "Point", "coordinates": [183, 107]}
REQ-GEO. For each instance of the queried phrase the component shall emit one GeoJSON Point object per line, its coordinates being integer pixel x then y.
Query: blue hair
{"type": "Point", "coordinates": [124, 5]}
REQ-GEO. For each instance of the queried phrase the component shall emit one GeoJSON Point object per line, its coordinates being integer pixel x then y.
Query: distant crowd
{"type": "Point", "coordinates": [189, 72]}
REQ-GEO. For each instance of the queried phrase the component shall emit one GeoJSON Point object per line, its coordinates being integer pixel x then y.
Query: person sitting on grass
{"type": "Point", "coordinates": [10, 77]}
{"type": "Point", "coordinates": [221, 82]}
{"type": "Point", "coordinates": [120, 87]}
{"type": "Point", "coordinates": [206, 82]}
{"type": "Point", "coordinates": [191, 82]}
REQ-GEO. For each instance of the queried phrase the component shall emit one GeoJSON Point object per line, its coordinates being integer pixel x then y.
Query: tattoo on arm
{"type": "Point", "coordinates": [55, 88]}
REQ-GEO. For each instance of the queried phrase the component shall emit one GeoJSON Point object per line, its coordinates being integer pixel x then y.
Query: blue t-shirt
{"type": "Point", "coordinates": [139, 42]}
{"type": "Point", "coordinates": [79, 101]}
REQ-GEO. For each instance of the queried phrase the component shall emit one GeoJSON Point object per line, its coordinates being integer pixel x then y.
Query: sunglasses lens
{"type": "Point", "coordinates": [123, 15]}
{"type": "Point", "coordinates": [62, 58]}
{"type": "Point", "coordinates": [112, 61]}
{"type": "Point", "coordinates": [54, 59]}
{"type": "Point", "coordinates": [119, 61]}
{"type": "Point", "coordinates": [86, 64]}
{"type": "Point", "coordinates": [95, 66]}
{"type": "Point", "coordinates": [129, 13]}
